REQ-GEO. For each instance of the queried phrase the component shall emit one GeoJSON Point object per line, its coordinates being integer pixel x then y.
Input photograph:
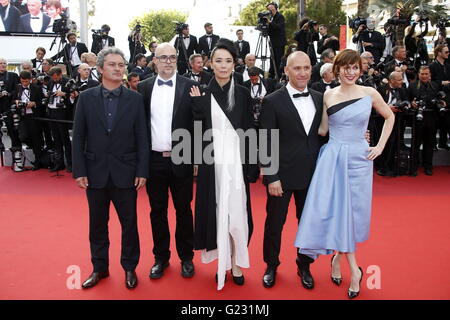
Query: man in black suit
{"type": "Point", "coordinates": [82, 83]}
{"type": "Point", "coordinates": [141, 67]}
{"type": "Point", "coordinates": [35, 21]}
{"type": "Point", "coordinates": [242, 46]}
{"type": "Point", "coordinates": [392, 93]}
{"type": "Point", "coordinates": [58, 108]}
{"type": "Point", "coordinates": [185, 49]}
{"type": "Point", "coordinates": [370, 40]}
{"type": "Point", "coordinates": [168, 108]}
{"type": "Point", "coordinates": [257, 85]}
{"type": "Point", "coordinates": [327, 56]}
{"type": "Point", "coordinates": [103, 40]}
{"type": "Point", "coordinates": [250, 61]}
{"type": "Point", "coordinates": [328, 79]}
{"type": "Point", "coordinates": [207, 42]}
{"type": "Point", "coordinates": [30, 95]}
{"type": "Point", "coordinates": [71, 53]}
{"type": "Point", "coordinates": [327, 41]}
{"type": "Point", "coordinates": [111, 158]}
{"type": "Point", "coordinates": [296, 113]}
{"type": "Point", "coordinates": [37, 62]}
{"type": "Point", "coordinates": [197, 72]}
{"type": "Point", "coordinates": [10, 16]}
{"type": "Point", "coordinates": [277, 36]}
{"type": "Point", "coordinates": [400, 61]}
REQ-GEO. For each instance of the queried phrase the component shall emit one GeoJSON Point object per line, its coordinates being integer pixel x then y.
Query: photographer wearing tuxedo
{"type": "Point", "coordinates": [328, 80]}
{"type": "Point", "coordinates": [369, 40]}
{"type": "Point", "coordinates": [197, 72]}
{"type": "Point", "coordinates": [207, 42]}
{"type": "Point", "coordinates": [400, 61]}
{"type": "Point", "coordinates": [101, 39]}
{"type": "Point", "coordinates": [188, 45]}
{"type": "Point", "coordinates": [27, 98]}
{"type": "Point", "coordinates": [81, 83]}
{"type": "Point", "coordinates": [141, 68]}
{"type": "Point", "coordinates": [58, 109]}
{"type": "Point", "coordinates": [327, 41]}
{"type": "Point", "coordinates": [277, 35]}
{"type": "Point", "coordinates": [250, 61]}
{"type": "Point", "coordinates": [8, 83]}
{"type": "Point", "coordinates": [242, 46]}
{"type": "Point", "coordinates": [37, 62]}
{"type": "Point", "coordinates": [71, 53]}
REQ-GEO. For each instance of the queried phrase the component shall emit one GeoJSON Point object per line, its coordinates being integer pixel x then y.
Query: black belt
{"type": "Point", "coordinates": [165, 154]}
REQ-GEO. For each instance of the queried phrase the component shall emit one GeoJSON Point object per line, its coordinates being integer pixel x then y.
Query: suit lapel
{"type": "Point", "coordinates": [293, 110]}
{"type": "Point", "coordinates": [99, 106]}
{"type": "Point", "coordinates": [319, 107]}
{"type": "Point", "coordinates": [179, 89]}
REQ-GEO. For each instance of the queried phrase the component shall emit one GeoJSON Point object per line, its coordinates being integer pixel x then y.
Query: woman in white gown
{"type": "Point", "coordinates": [223, 223]}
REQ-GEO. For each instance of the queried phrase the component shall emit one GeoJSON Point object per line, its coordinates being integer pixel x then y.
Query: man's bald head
{"type": "Point", "coordinates": [298, 69]}
{"type": "Point", "coordinates": [165, 48]}
{"type": "Point", "coordinates": [250, 60]}
{"type": "Point", "coordinates": [298, 56]}
{"type": "Point", "coordinates": [395, 75]}
{"type": "Point", "coordinates": [165, 60]}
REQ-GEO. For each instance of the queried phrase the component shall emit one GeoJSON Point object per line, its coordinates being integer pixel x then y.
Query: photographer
{"type": "Point", "coordinates": [327, 41]}
{"type": "Point", "coordinates": [277, 35]}
{"type": "Point", "coordinates": [425, 99]}
{"type": "Point", "coordinates": [152, 47]}
{"type": "Point", "coordinates": [242, 46]}
{"type": "Point", "coordinates": [197, 72]}
{"type": "Point", "coordinates": [327, 56]}
{"type": "Point", "coordinates": [81, 83]}
{"type": "Point", "coordinates": [71, 53]}
{"type": "Point", "coordinates": [133, 81]}
{"type": "Point", "coordinates": [27, 100]}
{"type": "Point", "coordinates": [416, 45]}
{"type": "Point", "coordinates": [400, 61]}
{"type": "Point", "coordinates": [186, 48]}
{"type": "Point", "coordinates": [57, 109]}
{"type": "Point", "coordinates": [306, 36]}
{"type": "Point", "coordinates": [207, 42]}
{"type": "Point", "coordinates": [135, 43]}
{"type": "Point", "coordinates": [8, 82]}
{"type": "Point", "coordinates": [368, 39]}
{"type": "Point", "coordinates": [141, 68]}
{"type": "Point", "coordinates": [101, 39]}
{"type": "Point", "coordinates": [367, 78]}
{"type": "Point", "coordinates": [37, 62]}
{"type": "Point", "coordinates": [250, 61]}
{"type": "Point", "coordinates": [396, 97]}
{"type": "Point", "coordinates": [440, 72]}
{"type": "Point", "coordinates": [328, 80]}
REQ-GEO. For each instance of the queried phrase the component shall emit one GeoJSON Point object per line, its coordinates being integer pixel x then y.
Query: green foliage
{"type": "Point", "coordinates": [158, 25]}
{"type": "Point", "coordinates": [327, 12]}
{"type": "Point", "coordinates": [411, 7]}
{"type": "Point", "coordinates": [249, 15]}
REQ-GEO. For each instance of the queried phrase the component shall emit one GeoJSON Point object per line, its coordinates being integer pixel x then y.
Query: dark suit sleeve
{"type": "Point", "coordinates": [268, 120]}
{"type": "Point", "coordinates": [79, 139]}
{"type": "Point", "coordinates": [141, 134]}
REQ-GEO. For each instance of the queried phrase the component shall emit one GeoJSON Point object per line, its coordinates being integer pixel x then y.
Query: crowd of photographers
{"type": "Point", "coordinates": [37, 106]}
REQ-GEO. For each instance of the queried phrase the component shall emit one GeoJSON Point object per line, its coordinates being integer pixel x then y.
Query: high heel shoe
{"type": "Point", "coordinates": [238, 280]}
{"type": "Point", "coordinates": [336, 281]}
{"type": "Point", "coordinates": [353, 294]}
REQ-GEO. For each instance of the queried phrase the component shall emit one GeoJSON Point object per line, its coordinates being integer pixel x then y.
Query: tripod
{"type": "Point", "coordinates": [61, 46]}
{"type": "Point", "coordinates": [262, 48]}
{"type": "Point", "coordinates": [181, 45]}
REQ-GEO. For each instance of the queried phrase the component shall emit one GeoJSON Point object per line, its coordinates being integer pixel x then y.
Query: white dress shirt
{"type": "Point", "coordinates": [187, 42]}
{"type": "Point", "coordinates": [254, 90]}
{"type": "Point", "coordinates": [305, 107]}
{"type": "Point", "coordinates": [245, 75]}
{"type": "Point", "coordinates": [36, 24]}
{"type": "Point", "coordinates": [74, 56]}
{"type": "Point", "coordinates": [405, 78]}
{"type": "Point", "coordinates": [162, 101]}
{"type": "Point", "coordinates": [26, 98]}
{"type": "Point", "coordinates": [56, 87]}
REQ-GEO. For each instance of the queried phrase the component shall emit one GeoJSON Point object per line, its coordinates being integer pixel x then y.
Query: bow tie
{"type": "Point", "coordinates": [186, 37]}
{"type": "Point", "coordinates": [168, 83]}
{"type": "Point", "coordinates": [25, 89]}
{"type": "Point", "coordinates": [209, 35]}
{"type": "Point", "coordinates": [35, 18]}
{"type": "Point", "coordinates": [301, 95]}
{"type": "Point", "coordinates": [196, 74]}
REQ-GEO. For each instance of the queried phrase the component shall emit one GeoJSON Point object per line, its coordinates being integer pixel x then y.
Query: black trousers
{"type": "Point", "coordinates": [162, 179]}
{"type": "Point", "coordinates": [444, 128]}
{"type": "Point", "coordinates": [34, 134]}
{"type": "Point", "coordinates": [60, 133]}
{"type": "Point", "coordinates": [277, 55]}
{"type": "Point", "coordinates": [124, 201]}
{"type": "Point", "coordinates": [277, 209]}
{"type": "Point", "coordinates": [425, 135]}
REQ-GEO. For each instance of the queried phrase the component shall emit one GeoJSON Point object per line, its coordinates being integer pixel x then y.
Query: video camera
{"type": "Point", "coordinates": [442, 24]}
{"type": "Point", "coordinates": [62, 26]}
{"type": "Point", "coordinates": [439, 103]}
{"type": "Point", "coordinates": [263, 21]}
{"type": "Point", "coordinates": [179, 27]}
{"type": "Point", "coordinates": [3, 91]}
{"type": "Point", "coordinates": [51, 101]}
{"type": "Point", "coordinates": [312, 24]}
{"type": "Point", "coordinates": [358, 21]}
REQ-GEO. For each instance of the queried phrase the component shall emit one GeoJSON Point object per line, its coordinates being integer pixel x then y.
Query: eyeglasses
{"type": "Point", "coordinates": [172, 58]}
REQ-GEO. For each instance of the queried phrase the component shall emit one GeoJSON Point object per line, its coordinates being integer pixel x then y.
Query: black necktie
{"type": "Point", "coordinates": [168, 83]}
{"type": "Point", "coordinates": [301, 95]}
{"type": "Point", "coordinates": [186, 37]}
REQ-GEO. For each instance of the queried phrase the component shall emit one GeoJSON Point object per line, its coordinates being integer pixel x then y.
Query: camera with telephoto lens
{"type": "Point", "coordinates": [263, 21]}
{"type": "Point", "coordinates": [51, 101]}
{"type": "Point", "coordinates": [62, 26]}
{"type": "Point", "coordinates": [439, 102]}
{"type": "Point", "coordinates": [257, 104]}
{"type": "Point", "coordinates": [312, 24]}
{"type": "Point", "coordinates": [17, 111]}
{"type": "Point", "coordinates": [72, 86]}
{"type": "Point", "coordinates": [358, 21]}
{"type": "Point", "coordinates": [421, 106]}
{"type": "Point", "coordinates": [443, 23]}
{"type": "Point", "coordinates": [402, 105]}
{"type": "Point", "coordinates": [3, 91]}
{"type": "Point", "coordinates": [179, 27]}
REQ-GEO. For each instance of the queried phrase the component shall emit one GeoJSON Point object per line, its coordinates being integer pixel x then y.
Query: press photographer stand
{"type": "Point", "coordinates": [262, 48]}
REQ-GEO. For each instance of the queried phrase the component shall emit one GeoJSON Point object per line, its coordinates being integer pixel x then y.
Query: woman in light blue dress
{"type": "Point", "coordinates": [337, 211]}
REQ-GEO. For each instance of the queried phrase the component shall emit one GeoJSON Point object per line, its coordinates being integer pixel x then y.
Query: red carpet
{"type": "Point", "coordinates": [44, 230]}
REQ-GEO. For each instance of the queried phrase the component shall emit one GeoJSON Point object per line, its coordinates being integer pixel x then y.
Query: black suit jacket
{"type": "Point", "coordinates": [12, 22]}
{"type": "Point", "coordinates": [238, 77]}
{"type": "Point", "coordinates": [97, 44]}
{"type": "Point", "coordinates": [143, 73]}
{"type": "Point", "coordinates": [245, 49]}
{"type": "Point", "coordinates": [332, 44]}
{"type": "Point", "coordinates": [182, 113]}
{"type": "Point", "coordinates": [376, 39]}
{"type": "Point", "coordinates": [298, 151]}
{"type": "Point", "coordinates": [35, 95]}
{"type": "Point", "coordinates": [66, 53]}
{"type": "Point", "coordinates": [205, 77]}
{"type": "Point", "coordinates": [10, 81]}
{"type": "Point", "coordinates": [122, 154]}
{"type": "Point", "coordinates": [193, 48]}
{"type": "Point", "coordinates": [25, 25]}
{"type": "Point", "coordinates": [203, 44]}
{"type": "Point", "coordinates": [321, 87]}
{"type": "Point", "coordinates": [386, 89]}
{"type": "Point", "coordinates": [277, 31]}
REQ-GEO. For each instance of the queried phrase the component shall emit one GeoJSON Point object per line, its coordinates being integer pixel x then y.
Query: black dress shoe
{"type": "Point", "coordinates": [269, 277]}
{"type": "Point", "coordinates": [238, 280]}
{"type": "Point", "coordinates": [69, 169]}
{"type": "Point", "coordinates": [413, 173]}
{"type": "Point", "coordinates": [36, 166]}
{"type": "Point", "coordinates": [94, 278]}
{"type": "Point", "coordinates": [428, 172]}
{"type": "Point", "coordinates": [306, 277]}
{"type": "Point", "coordinates": [336, 281]}
{"type": "Point", "coordinates": [352, 294]}
{"type": "Point", "coordinates": [382, 172]}
{"type": "Point", "coordinates": [157, 270]}
{"type": "Point", "coordinates": [444, 146]}
{"type": "Point", "coordinates": [131, 280]}
{"type": "Point", "coordinates": [187, 269]}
